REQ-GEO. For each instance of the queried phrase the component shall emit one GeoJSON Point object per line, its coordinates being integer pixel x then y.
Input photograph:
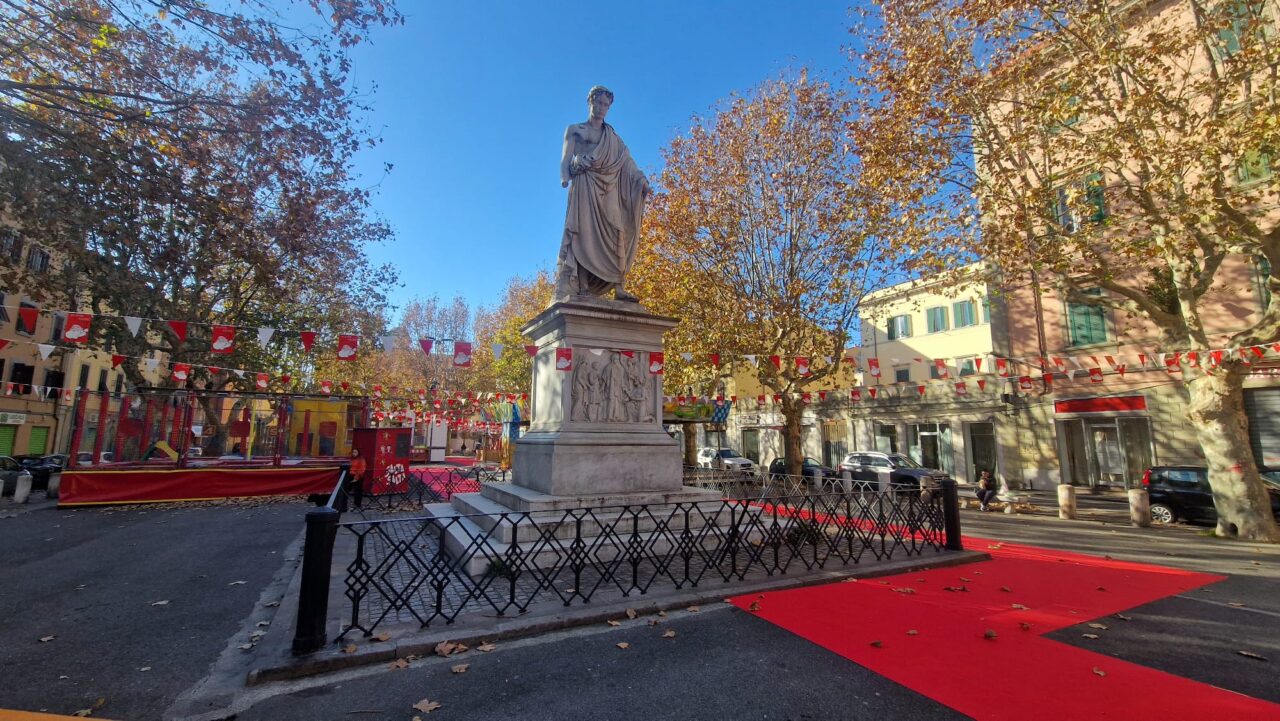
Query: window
{"type": "Point", "coordinates": [38, 260]}
{"type": "Point", "coordinates": [22, 374]}
{"type": "Point", "coordinates": [966, 366]}
{"type": "Point", "coordinates": [1253, 166]}
{"type": "Point", "coordinates": [902, 374]}
{"type": "Point", "coordinates": [986, 309]}
{"type": "Point", "coordinates": [22, 326]}
{"type": "Point", "coordinates": [1095, 195]}
{"type": "Point", "coordinates": [53, 380]}
{"type": "Point", "coordinates": [1263, 280]}
{"type": "Point", "coordinates": [4, 309]}
{"type": "Point", "coordinates": [84, 377]}
{"type": "Point", "coordinates": [936, 319]}
{"type": "Point", "coordinates": [1061, 210]}
{"type": "Point", "coordinates": [965, 314]}
{"type": "Point", "coordinates": [102, 379]}
{"type": "Point", "coordinates": [1093, 186]}
{"type": "Point", "coordinates": [899, 327]}
{"type": "Point", "coordinates": [119, 382]}
{"type": "Point", "coordinates": [11, 245]}
{"type": "Point", "coordinates": [934, 373]}
{"type": "Point", "coordinates": [1086, 323]}
{"type": "Point", "coordinates": [1243, 21]}
{"type": "Point", "coordinates": [59, 322]}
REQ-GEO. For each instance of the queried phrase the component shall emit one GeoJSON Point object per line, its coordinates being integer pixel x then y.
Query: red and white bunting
{"type": "Point", "coordinates": [222, 339]}
{"type": "Point", "coordinates": [348, 346]}
{"type": "Point", "coordinates": [76, 329]}
{"type": "Point", "coordinates": [461, 354]}
{"type": "Point", "coordinates": [564, 359]}
{"type": "Point", "coordinates": [657, 363]}
{"type": "Point", "coordinates": [308, 338]}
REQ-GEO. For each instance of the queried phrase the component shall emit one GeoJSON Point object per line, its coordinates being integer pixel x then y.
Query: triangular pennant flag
{"type": "Point", "coordinates": [628, 353]}
{"type": "Point", "coordinates": [872, 392]}
{"type": "Point", "coordinates": [1142, 359]}
{"type": "Point", "coordinates": [920, 389]}
{"type": "Point", "coordinates": [715, 360]}
{"type": "Point", "coordinates": [3, 342]}
{"type": "Point", "coordinates": [806, 397]}
{"type": "Point", "coordinates": [1244, 355]}
{"type": "Point", "coordinates": [777, 398]}
{"type": "Point", "coordinates": [326, 387]}
{"type": "Point", "coordinates": [1193, 359]}
{"type": "Point", "coordinates": [597, 352]}
{"type": "Point", "coordinates": [386, 341]}
{"type": "Point", "coordinates": [776, 361]}
{"type": "Point", "coordinates": [1111, 361]}
{"type": "Point", "coordinates": [28, 317]}
{"type": "Point", "coordinates": [116, 360]}
{"type": "Point", "coordinates": [461, 354]}
{"type": "Point", "coordinates": [133, 324]}
{"type": "Point", "coordinates": [822, 395]}
{"type": "Point", "coordinates": [426, 344]}
{"type": "Point", "coordinates": [1048, 381]}
{"type": "Point", "coordinates": [45, 349]}
{"type": "Point", "coordinates": [1120, 368]}
{"type": "Point", "coordinates": [308, 338]}
{"type": "Point", "coordinates": [497, 351]}
{"type": "Point", "coordinates": [1170, 361]}
{"type": "Point", "coordinates": [179, 328]}
{"type": "Point", "coordinates": [532, 350]}
{"type": "Point", "coordinates": [802, 366]}
{"type": "Point", "coordinates": [264, 335]}
{"type": "Point", "coordinates": [657, 362]}
{"type": "Point", "coordinates": [982, 384]}
{"type": "Point", "coordinates": [941, 365]}
{"type": "Point", "coordinates": [1024, 384]}
{"type": "Point", "coordinates": [222, 339]}
{"type": "Point", "coordinates": [760, 400]}
{"type": "Point", "coordinates": [1258, 350]}
{"type": "Point", "coordinates": [239, 373]}
{"type": "Point", "coordinates": [750, 359]}
{"type": "Point", "coordinates": [76, 327]}
{"type": "Point", "coordinates": [348, 345]}
{"type": "Point", "coordinates": [977, 363]}
{"type": "Point", "coordinates": [1215, 357]}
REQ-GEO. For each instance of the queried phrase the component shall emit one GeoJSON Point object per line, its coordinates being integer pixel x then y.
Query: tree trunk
{"type": "Point", "coordinates": [792, 448]}
{"type": "Point", "coordinates": [690, 436]}
{"type": "Point", "coordinates": [1217, 413]}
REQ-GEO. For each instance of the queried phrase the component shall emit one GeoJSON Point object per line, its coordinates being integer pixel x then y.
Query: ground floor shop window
{"type": "Point", "coordinates": [982, 449]}
{"type": "Point", "coordinates": [751, 444]}
{"type": "Point", "coordinates": [929, 444]}
{"type": "Point", "coordinates": [886, 438]}
{"type": "Point", "coordinates": [1262, 406]}
{"type": "Point", "coordinates": [1104, 451]}
{"type": "Point", "coordinates": [835, 442]}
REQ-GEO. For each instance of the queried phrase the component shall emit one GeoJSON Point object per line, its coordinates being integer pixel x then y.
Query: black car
{"type": "Point", "coordinates": [866, 467]}
{"type": "Point", "coordinates": [40, 468]}
{"type": "Point", "coordinates": [1182, 493]}
{"type": "Point", "coordinates": [809, 469]}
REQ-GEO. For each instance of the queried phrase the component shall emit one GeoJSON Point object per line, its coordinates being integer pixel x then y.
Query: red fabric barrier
{"type": "Point", "coordinates": [191, 484]}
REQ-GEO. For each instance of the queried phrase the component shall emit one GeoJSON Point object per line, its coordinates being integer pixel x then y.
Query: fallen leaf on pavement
{"type": "Point", "coordinates": [1102, 626]}
{"type": "Point", "coordinates": [912, 632]}
{"type": "Point", "coordinates": [693, 609]}
{"type": "Point", "coordinates": [1006, 589]}
{"type": "Point", "coordinates": [966, 580]}
{"type": "Point", "coordinates": [612, 622]}
{"type": "Point", "coordinates": [47, 639]}
{"type": "Point", "coordinates": [485, 647]}
{"type": "Point", "coordinates": [990, 634]}
{"type": "Point", "coordinates": [1024, 626]}
{"type": "Point", "coordinates": [1089, 635]}
{"type": "Point", "coordinates": [398, 664]}
{"type": "Point", "coordinates": [263, 624]}
{"type": "Point", "coordinates": [384, 636]}
{"type": "Point", "coordinates": [1235, 604]}
{"type": "Point", "coordinates": [448, 648]}
{"type": "Point", "coordinates": [245, 646]}
{"type": "Point", "coordinates": [652, 622]}
{"type": "Point", "coordinates": [631, 613]}
{"type": "Point", "coordinates": [755, 606]}
{"type": "Point", "coordinates": [1250, 654]}
{"type": "Point", "coordinates": [161, 603]}
{"type": "Point", "coordinates": [877, 644]}
{"type": "Point", "coordinates": [662, 614]}
{"type": "Point", "coordinates": [85, 712]}
{"type": "Point", "coordinates": [669, 633]}
{"type": "Point", "coordinates": [624, 645]}
{"type": "Point", "coordinates": [1099, 671]}
{"type": "Point", "coordinates": [426, 705]}
{"type": "Point", "coordinates": [271, 604]}
{"type": "Point", "coordinates": [1020, 607]}
{"type": "Point", "coordinates": [237, 583]}
{"type": "Point", "coordinates": [1123, 617]}
{"type": "Point", "coordinates": [1102, 588]}
{"type": "Point", "coordinates": [904, 589]}
{"type": "Point", "coordinates": [460, 668]}
{"type": "Point", "coordinates": [145, 668]}
{"type": "Point", "coordinates": [955, 588]}
{"type": "Point", "coordinates": [349, 648]}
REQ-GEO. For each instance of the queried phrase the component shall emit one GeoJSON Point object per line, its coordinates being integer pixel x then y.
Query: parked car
{"type": "Point", "coordinates": [41, 467]}
{"type": "Point", "coordinates": [809, 469]}
{"type": "Point", "coordinates": [725, 459]}
{"type": "Point", "coordinates": [866, 467]}
{"type": "Point", "coordinates": [9, 470]}
{"type": "Point", "coordinates": [1181, 493]}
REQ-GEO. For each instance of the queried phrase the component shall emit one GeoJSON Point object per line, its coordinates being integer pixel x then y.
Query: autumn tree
{"type": "Point", "coordinates": [512, 370]}
{"type": "Point", "coordinates": [763, 240]}
{"type": "Point", "coordinates": [1121, 148]}
{"type": "Point", "coordinates": [192, 161]}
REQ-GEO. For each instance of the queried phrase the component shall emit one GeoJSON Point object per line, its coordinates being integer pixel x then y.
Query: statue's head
{"type": "Point", "coordinates": [599, 98]}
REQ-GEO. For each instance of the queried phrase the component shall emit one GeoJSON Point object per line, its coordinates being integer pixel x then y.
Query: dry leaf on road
{"type": "Point", "coordinates": [485, 647]}
{"type": "Point", "coordinates": [1006, 589]}
{"type": "Point", "coordinates": [877, 644]}
{"type": "Point", "coordinates": [449, 648]}
{"type": "Point", "coordinates": [85, 712]}
{"type": "Point", "coordinates": [384, 636]}
{"type": "Point", "coordinates": [669, 633]}
{"type": "Point", "coordinates": [1123, 617]}
{"type": "Point", "coordinates": [612, 622]}
{"type": "Point", "coordinates": [624, 645]}
{"type": "Point", "coordinates": [349, 648]}
{"type": "Point", "coordinates": [426, 705]}
{"type": "Point", "coordinates": [237, 583]}
{"type": "Point", "coordinates": [1099, 671]}
{"type": "Point", "coordinates": [1235, 604]}
{"type": "Point", "coordinates": [1024, 626]}
{"type": "Point", "coordinates": [631, 613]}
{"type": "Point", "coordinates": [1020, 607]}
{"type": "Point", "coordinates": [397, 664]}
{"type": "Point", "coordinates": [161, 603]}
{"type": "Point", "coordinates": [755, 606]}
{"type": "Point", "coordinates": [693, 609]}
{"type": "Point", "coordinates": [47, 639]}
{"type": "Point", "coordinates": [1102, 626]}
{"type": "Point", "coordinates": [1250, 654]}
{"type": "Point", "coordinates": [912, 632]}
{"type": "Point", "coordinates": [1089, 635]}
{"type": "Point", "coordinates": [990, 634]}
{"type": "Point", "coordinates": [460, 668]}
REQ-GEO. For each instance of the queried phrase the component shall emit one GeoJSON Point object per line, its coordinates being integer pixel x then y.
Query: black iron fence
{"type": "Point", "coordinates": [429, 569]}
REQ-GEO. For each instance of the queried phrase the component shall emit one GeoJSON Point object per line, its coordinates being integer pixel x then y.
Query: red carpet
{"type": "Point", "coordinates": [1017, 674]}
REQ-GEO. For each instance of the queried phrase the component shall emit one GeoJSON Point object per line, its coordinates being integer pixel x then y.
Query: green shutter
{"type": "Point", "coordinates": [1096, 196]}
{"type": "Point", "coordinates": [937, 319]}
{"type": "Point", "coordinates": [39, 443]}
{"type": "Point", "coordinates": [6, 439]}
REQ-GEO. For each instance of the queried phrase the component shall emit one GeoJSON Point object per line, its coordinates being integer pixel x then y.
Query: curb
{"type": "Point", "coordinates": [475, 631]}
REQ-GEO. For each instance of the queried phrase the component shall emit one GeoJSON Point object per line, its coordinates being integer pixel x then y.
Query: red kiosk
{"type": "Point", "coordinates": [387, 451]}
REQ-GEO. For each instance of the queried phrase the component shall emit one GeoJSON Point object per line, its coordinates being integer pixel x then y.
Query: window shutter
{"type": "Point", "coordinates": [1095, 194]}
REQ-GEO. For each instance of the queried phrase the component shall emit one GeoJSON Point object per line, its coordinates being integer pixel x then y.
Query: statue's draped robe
{"type": "Point", "coordinates": [602, 226]}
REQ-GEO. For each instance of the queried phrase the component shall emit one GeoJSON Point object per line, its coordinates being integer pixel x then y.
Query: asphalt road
{"type": "Point", "coordinates": [92, 581]}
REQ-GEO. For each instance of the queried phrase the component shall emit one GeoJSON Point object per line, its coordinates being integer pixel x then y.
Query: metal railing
{"type": "Point", "coordinates": [429, 569]}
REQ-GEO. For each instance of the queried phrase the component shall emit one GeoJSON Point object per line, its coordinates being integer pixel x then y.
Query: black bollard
{"type": "Point", "coordinates": [951, 514]}
{"type": "Point", "coordinates": [313, 596]}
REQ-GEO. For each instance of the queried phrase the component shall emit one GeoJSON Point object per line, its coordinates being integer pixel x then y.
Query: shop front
{"type": "Point", "coordinates": [1103, 442]}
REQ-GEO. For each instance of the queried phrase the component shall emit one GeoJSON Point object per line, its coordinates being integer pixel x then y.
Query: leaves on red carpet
{"type": "Point", "coordinates": [877, 644]}
{"type": "Point", "coordinates": [990, 634]}
{"type": "Point", "coordinates": [1252, 655]}
{"type": "Point", "coordinates": [1089, 635]}
{"type": "Point", "coordinates": [1099, 671]}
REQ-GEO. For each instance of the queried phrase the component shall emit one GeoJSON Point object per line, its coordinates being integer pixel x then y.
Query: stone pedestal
{"type": "Point", "coordinates": [1139, 507]}
{"type": "Point", "coordinates": [596, 439]}
{"type": "Point", "coordinates": [1066, 501]}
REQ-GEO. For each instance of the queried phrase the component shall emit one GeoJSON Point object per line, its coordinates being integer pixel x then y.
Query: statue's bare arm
{"type": "Point", "coordinates": [566, 157]}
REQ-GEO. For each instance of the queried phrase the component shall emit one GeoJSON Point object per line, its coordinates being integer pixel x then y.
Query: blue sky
{"type": "Point", "coordinates": [472, 100]}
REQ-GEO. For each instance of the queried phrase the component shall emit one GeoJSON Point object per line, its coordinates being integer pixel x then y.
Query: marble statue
{"type": "Point", "coordinates": [606, 202]}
